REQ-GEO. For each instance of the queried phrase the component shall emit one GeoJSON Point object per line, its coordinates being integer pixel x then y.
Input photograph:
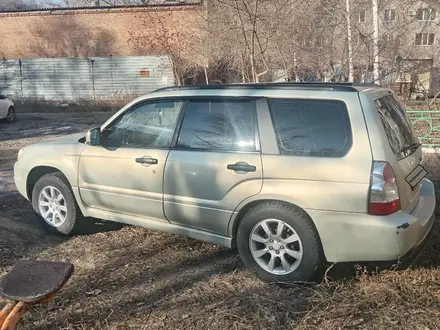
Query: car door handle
{"type": "Point", "coordinates": [242, 167]}
{"type": "Point", "coordinates": [147, 160]}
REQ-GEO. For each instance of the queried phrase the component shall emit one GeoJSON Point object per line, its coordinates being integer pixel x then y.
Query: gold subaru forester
{"type": "Point", "coordinates": [292, 174]}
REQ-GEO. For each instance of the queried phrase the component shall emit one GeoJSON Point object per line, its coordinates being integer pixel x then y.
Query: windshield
{"type": "Point", "coordinates": [397, 126]}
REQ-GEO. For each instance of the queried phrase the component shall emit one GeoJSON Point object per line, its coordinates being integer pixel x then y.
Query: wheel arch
{"type": "Point", "coordinates": [36, 173]}
{"type": "Point", "coordinates": [243, 209]}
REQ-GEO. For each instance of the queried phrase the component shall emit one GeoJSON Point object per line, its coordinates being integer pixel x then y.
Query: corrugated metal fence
{"type": "Point", "coordinates": [95, 78]}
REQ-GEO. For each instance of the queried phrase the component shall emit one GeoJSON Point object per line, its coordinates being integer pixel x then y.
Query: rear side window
{"type": "Point", "coordinates": [397, 126]}
{"type": "Point", "coordinates": [226, 125]}
{"type": "Point", "coordinates": [319, 128]}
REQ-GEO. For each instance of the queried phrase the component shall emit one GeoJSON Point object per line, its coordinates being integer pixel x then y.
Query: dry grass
{"type": "Point", "coordinates": [135, 278]}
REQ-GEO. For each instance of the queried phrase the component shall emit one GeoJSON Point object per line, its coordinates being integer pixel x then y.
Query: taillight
{"type": "Point", "coordinates": [384, 194]}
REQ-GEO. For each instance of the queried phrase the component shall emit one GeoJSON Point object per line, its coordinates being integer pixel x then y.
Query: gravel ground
{"type": "Point", "coordinates": [135, 278]}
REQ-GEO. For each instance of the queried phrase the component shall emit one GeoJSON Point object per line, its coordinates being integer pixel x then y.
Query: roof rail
{"type": "Point", "coordinates": [341, 87]}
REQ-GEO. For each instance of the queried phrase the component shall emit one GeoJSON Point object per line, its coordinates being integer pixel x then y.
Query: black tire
{"type": "Point", "coordinates": [313, 256]}
{"type": "Point", "coordinates": [10, 119]}
{"type": "Point", "coordinates": [74, 216]}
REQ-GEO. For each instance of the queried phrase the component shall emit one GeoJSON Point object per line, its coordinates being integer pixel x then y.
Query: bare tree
{"type": "Point", "coordinates": [160, 32]}
{"type": "Point", "coordinates": [8, 74]}
{"type": "Point", "coordinates": [57, 3]}
{"type": "Point", "coordinates": [18, 4]}
{"type": "Point", "coordinates": [251, 35]}
{"type": "Point", "coordinates": [261, 40]}
{"type": "Point", "coordinates": [67, 37]}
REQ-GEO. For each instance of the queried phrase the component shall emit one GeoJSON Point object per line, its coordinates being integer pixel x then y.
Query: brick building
{"type": "Point", "coordinates": [123, 31]}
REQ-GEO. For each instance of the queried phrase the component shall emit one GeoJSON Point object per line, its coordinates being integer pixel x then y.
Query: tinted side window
{"type": "Point", "coordinates": [397, 126]}
{"type": "Point", "coordinates": [318, 128]}
{"type": "Point", "coordinates": [218, 125]}
{"type": "Point", "coordinates": [146, 125]}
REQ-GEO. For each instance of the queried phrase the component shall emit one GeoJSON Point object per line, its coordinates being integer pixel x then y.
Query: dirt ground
{"type": "Point", "coordinates": [135, 278]}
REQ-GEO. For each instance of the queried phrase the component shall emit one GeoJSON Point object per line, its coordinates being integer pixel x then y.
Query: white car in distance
{"type": "Point", "coordinates": [7, 109]}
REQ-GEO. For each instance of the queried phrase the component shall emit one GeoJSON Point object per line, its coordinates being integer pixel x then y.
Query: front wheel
{"type": "Point", "coordinates": [55, 205]}
{"type": "Point", "coordinates": [280, 243]}
{"type": "Point", "coordinates": [10, 117]}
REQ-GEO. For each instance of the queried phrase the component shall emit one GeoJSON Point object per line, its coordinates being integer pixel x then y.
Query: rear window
{"type": "Point", "coordinates": [397, 126]}
{"type": "Point", "coordinates": [319, 128]}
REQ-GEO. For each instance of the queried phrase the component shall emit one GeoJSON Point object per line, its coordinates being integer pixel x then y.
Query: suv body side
{"type": "Point", "coordinates": [333, 191]}
{"type": "Point", "coordinates": [287, 179]}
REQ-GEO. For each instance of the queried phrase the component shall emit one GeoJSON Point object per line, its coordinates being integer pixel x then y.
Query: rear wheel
{"type": "Point", "coordinates": [10, 117]}
{"type": "Point", "coordinates": [280, 243]}
{"type": "Point", "coordinates": [55, 205]}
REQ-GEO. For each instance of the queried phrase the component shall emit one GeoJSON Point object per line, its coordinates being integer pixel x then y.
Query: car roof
{"type": "Point", "coordinates": [315, 86]}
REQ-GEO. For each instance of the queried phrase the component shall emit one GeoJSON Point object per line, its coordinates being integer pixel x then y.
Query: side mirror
{"type": "Point", "coordinates": [93, 136]}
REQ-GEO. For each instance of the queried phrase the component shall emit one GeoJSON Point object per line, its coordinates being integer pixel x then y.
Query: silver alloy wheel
{"type": "Point", "coordinates": [11, 115]}
{"type": "Point", "coordinates": [275, 246]}
{"type": "Point", "coordinates": [52, 206]}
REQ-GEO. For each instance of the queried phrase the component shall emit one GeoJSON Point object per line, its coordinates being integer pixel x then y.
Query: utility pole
{"type": "Point", "coordinates": [376, 42]}
{"type": "Point", "coordinates": [350, 47]}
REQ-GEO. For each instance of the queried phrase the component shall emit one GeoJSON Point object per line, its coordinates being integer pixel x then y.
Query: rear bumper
{"type": "Point", "coordinates": [348, 237]}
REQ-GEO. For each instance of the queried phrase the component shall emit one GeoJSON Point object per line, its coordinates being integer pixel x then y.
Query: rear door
{"type": "Point", "coordinates": [406, 151]}
{"type": "Point", "coordinates": [215, 164]}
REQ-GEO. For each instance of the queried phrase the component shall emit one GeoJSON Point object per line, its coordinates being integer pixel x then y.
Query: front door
{"type": "Point", "coordinates": [125, 173]}
{"type": "Point", "coordinates": [215, 165]}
